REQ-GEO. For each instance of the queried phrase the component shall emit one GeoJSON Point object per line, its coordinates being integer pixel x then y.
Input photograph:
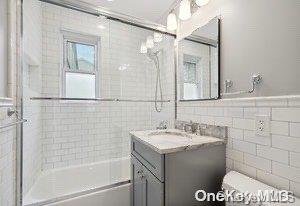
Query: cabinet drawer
{"type": "Point", "coordinates": [148, 157]}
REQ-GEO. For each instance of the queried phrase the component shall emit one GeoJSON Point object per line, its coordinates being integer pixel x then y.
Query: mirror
{"type": "Point", "coordinates": [198, 64]}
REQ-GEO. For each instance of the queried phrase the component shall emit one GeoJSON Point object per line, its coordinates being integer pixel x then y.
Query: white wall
{"type": "Point", "coordinates": [3, 48]}
{"type": "Point", "coordinates": [256, 37]}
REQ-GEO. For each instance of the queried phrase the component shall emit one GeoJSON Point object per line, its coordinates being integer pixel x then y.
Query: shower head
{"type": "Point", "coordinates": [153, 56]}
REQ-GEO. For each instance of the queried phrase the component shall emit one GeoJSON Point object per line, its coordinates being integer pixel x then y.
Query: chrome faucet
{"type": "Point", "coordinates": [162, 125]}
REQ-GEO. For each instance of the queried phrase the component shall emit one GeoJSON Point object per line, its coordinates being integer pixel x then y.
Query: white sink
{"type": "Point", "coordinates": [169, 134]}
{"type": "Point", "coordinates": [173, 140]}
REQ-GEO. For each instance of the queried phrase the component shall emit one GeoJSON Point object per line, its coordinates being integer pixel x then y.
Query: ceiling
{"type": "Point", "coordinates": [150, 10]}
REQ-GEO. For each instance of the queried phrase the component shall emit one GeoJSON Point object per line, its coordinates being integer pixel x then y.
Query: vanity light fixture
{"type": "Point", "coordinates": [143, 48]}
{"type": "Point", "coordinates": [150, 42]}
{"type": "Point", "coordinates": [157, 37]}
{"type": "Point", "coordinates": [202, 2]}
{"type": "Point", "coordinates": [172, 21]}
{"type": "Point", "coordinates": [185, 10]}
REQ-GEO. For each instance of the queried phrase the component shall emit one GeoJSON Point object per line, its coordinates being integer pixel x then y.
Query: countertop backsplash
{"type": "Point", "coordinates": [274, 160]}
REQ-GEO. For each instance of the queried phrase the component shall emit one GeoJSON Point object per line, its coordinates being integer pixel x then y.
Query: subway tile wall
{"type": "Point", "coordinates": [79, 132]}
{"type": "Point", "coordinates": [275, 159]}
{"type": "Point", "coordinates": [7, 161]}
{"type": "Point", "coordinates": [8, 135]}
{"type": "Point", "coordinates": [32, 79]}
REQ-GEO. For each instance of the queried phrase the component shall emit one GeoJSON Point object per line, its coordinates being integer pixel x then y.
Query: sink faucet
{"type": "Point", "coordinates": [162, 125]}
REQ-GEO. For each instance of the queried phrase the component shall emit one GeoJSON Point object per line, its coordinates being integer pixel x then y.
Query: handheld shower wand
{"type": "Point", "coordinates": [158, 87]}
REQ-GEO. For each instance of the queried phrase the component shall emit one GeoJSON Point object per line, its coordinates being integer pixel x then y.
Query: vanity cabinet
{"type": "Point", "coordinates": [172, 179]}
{"type": "Point", "coordinates": [147, 189]}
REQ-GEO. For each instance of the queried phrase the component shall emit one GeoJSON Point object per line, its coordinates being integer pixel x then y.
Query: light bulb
{"type": "Point", "coordinates": [202, 2]}
{"type": "Point", "coordinates": [150, 42]}
{"type": "Point", "coordinates": [157, 37]}
{"type": "Point", "coordinates": [172, 22]}
{"type": "Point", "coordinates": [143, 48]}
{"type": "Point", "coordinates": [100, 26]}
{"type": "Point", "coordinates": [185, 10]}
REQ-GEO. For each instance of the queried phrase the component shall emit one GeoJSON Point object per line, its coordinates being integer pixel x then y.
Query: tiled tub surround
{"type": "Point", "coordinates": [274, 160]}
{"type": "Point", "coordinates": [84, 133]}
{"type": "Point", "coordinates": [32, 79]}
{"type": "Point", "coordinates": [80, 132]}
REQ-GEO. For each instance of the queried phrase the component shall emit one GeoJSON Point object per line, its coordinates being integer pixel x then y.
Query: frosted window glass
{"type": "Point", "coordinates": [80, 85]}
{"type": "Point", "coordinates": [189, 72]}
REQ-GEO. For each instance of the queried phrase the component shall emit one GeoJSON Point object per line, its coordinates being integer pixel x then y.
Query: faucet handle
{"type": "Point", "coordinates": [191, 127]}
{"type": "Point", "coordinates": [195, 127]}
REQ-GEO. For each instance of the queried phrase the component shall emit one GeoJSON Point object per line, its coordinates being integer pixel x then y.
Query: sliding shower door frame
{"type": "Point", "coordinates": [19, 100]}
{"type": "Point", "coordinates": [19, 69]}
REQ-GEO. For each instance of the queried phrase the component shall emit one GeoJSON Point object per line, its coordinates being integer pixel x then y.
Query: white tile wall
{"type": "Point", "coordinates": [295, 129]}
{"type": "Point", "coordinates": [274, 160]}
{"type": "Point", "coordinates": [32, 78]}
{"type": "Point", "coordinates": [76, 133]}
{"type": "Point", "coordinates": [7, 161]}
{"type": "Point", "coordinates": [8, 135]}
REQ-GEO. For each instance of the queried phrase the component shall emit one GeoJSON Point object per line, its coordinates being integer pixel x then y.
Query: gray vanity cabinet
{"type": "Point", "coordinates": [137, 180]}
{"type": "Point", "coordinates": [147, 189]}
{"type": "Point", "coordinates": [172, 179]}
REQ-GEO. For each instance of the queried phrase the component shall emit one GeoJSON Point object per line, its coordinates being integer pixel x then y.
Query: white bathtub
{"type": "Point", "coordinates": [93, 185]}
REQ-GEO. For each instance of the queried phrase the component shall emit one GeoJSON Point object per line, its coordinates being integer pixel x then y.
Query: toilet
{"type": "Point", "coordinates": [241, 183]}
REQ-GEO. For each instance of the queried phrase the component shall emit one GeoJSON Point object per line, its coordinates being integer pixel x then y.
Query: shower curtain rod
{"type": "Point", "coordinates": [88, 9]}
{"type": "Point", "coordinates": [94, 99]}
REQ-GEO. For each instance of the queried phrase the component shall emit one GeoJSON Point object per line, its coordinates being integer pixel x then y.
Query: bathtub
{"type": "Point", "coordinates": [99, 184]}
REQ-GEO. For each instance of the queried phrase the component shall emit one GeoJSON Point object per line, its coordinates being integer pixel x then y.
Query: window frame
{"type": "Point", "coordinates": [85, 39]}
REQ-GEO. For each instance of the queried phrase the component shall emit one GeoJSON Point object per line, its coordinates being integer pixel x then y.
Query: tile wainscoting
{"type": "Point", "coordinates": [7, 157]}
{"type": "Point", "coordinates": [275, 159]}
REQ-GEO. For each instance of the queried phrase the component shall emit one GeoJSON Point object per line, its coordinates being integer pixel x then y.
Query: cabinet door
{"type": "Point", "coordinates": [153, 189]}
{"type": "Point", "coordinates": [137, 188]}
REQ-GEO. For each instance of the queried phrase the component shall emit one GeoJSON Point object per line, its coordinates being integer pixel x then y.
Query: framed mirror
{"type": "Point", "coordinates": [199, 64]}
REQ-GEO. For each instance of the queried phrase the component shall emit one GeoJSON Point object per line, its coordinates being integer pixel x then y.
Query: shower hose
{"type": "Point", "coordinates": [158, 87]}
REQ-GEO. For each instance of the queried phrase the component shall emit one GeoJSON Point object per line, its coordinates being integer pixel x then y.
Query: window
{"type": "Point", "coordinates": [190, 77]}
{"type": "Point", "coordinates": [80, 66]}
{"type": "Point", "coordinates": [189, 72]}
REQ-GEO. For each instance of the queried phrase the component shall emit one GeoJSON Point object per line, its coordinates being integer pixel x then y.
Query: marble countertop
{"type": "Point", "coordinates": [173, 140]}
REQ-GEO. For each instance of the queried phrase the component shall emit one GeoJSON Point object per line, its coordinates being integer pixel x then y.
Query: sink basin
{"type": "Point", "coordinates": [170, 135]}
{"type": "Point", "coordinates": [173, 140]}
